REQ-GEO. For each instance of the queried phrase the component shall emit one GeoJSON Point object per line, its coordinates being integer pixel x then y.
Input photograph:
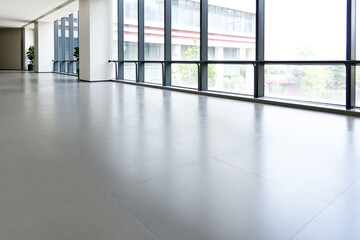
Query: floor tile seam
{"type": "Point", "coordinates": [12, 104]}
{"type": "Point", "coordinates": [345, 209]}
{"type": "Point", "coordinates": [164, 139]}
{"type": "Point", "coordinates": [63, 134]}
{"type": "Point", "coordinates": [166, 173]}
{"type": "Point", "coordinates": [186, 147]}
{"type": "Point", "coordinates": [333, 203]}
{"type": "Point", "coordinates": [130, 214]}
{"type": "Point", "coordinates": [258, 139]}
{"type": "Point", "coordinates": [309, 222]}
{"type": "Point", "coordinates": [275, 182]}
{"type": "Point", "coordinates": [88, 175]}
{"type": "Point", "coordinates": [346, 189]}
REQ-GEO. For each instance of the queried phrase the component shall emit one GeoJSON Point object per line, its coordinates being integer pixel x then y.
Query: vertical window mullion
{"type": "Point", "coordinates": [121, 38]}
{"type": "Point", "coordinates": [141, 41]}
{"type": "Point", "coordinates": [63, 37]}
{"type": "Point", "coordinates": [71, 42]}
{"type": "Point", "coordinates": [56, 45]}
{"type": "Point", "coordinates": [203, 81]}
{"type": "Point", "coordinates": [351, 54]}
{"type": "Point", "coordinates": [259, 83]}
{"type": "Point", "coordinates": [167, 43]}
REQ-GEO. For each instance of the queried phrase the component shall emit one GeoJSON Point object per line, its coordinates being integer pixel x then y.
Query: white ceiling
{"type": "Point", "coordinates": [17, 13]}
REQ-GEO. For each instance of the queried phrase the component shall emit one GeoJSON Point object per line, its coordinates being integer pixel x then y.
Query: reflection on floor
{"type": "Point", "coordinates": [115, 161]}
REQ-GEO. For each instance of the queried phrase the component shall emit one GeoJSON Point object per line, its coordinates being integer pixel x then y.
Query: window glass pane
{"type": "Point", "coordinates": [59, 41]}
{"type": "Point", "coordinates": [153, 73]}
{"type": "Point", "coordinates": [325, 84]}
{"type": "Point", "coordinates": [185, 41]}
{"type": "Point", "coordinates": [76, 29]}
{"type": "Point", "coordinates": [357, 29]}
{"type": "Point", "coordinates": [358, 53]}
{"type": "Point", "coordinates": [305, 30]}
{"type": "Point", "coordinates": [67, 50]}
{"type": "Point", "coordinates": [358, 86]}
{"type": "Point", "coordinates": [231, 37]}
{"type": "Point", "coordinates": [129, 71]}
{"type": "Point", "coordinates": [234, 78]}
{"type": "Point", "coordinates": [185, 29]}
{"type": "Point", "coordinates": [130, 37]}
{"type": "Point", "coordinates": [184, 75]}
{"type": "Point", "coordinates": [76, 38]}
{"type": "Point", "coordinates": [154, 39]}
{"type": "Point", "coordinates": [226, 34]}
{"type": "Point", "coordinates": [115, 30]}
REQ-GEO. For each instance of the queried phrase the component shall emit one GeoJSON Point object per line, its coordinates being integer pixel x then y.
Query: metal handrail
{"type": "Point", "coordinates": [291, 62]}
{"type": "Point", "coordinates": [65, 60]}
{"type": "Point", "coordinates": [61, 62]}
{"type": "Point", "coordinates": [253, 62]}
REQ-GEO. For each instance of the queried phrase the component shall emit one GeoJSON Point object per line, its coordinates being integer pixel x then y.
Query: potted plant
{"type": "Point", "coordinates": [76, 55]}
{"type": "Point", "coordinates": [31, 56]}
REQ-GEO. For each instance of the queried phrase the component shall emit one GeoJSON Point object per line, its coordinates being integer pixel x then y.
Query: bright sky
{"type": "Point", "coordinates": [316, 26]}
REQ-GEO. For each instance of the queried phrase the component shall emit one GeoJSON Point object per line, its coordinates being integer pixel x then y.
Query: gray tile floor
{"type": "Point", "coordinates": [101, 161]}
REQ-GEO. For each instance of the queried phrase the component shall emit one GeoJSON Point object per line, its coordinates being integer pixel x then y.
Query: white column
{"type": "Point", "coordinates": [95, 39]}
{"type": "Point", "coordinates": [44, 46]}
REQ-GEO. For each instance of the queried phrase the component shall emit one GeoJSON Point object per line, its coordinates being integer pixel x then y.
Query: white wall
{"type": "Point", "coordinates": [29, 40]}
{"type": "Point", "coordinates": [95, 39]}
{"type": "Point", "coordinates": [44, 46]}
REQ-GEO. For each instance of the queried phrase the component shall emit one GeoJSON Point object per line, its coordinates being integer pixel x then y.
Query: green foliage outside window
{"type": "Point", "coordinates": [312, 81]}
{"type": "Point", "coordinates": [188, 72]}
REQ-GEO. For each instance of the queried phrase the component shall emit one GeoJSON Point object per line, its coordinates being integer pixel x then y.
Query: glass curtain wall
{"type": "Point", "coordinates": [296, 48]}
{"type": "Point", "coordinates": [67, 40]}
